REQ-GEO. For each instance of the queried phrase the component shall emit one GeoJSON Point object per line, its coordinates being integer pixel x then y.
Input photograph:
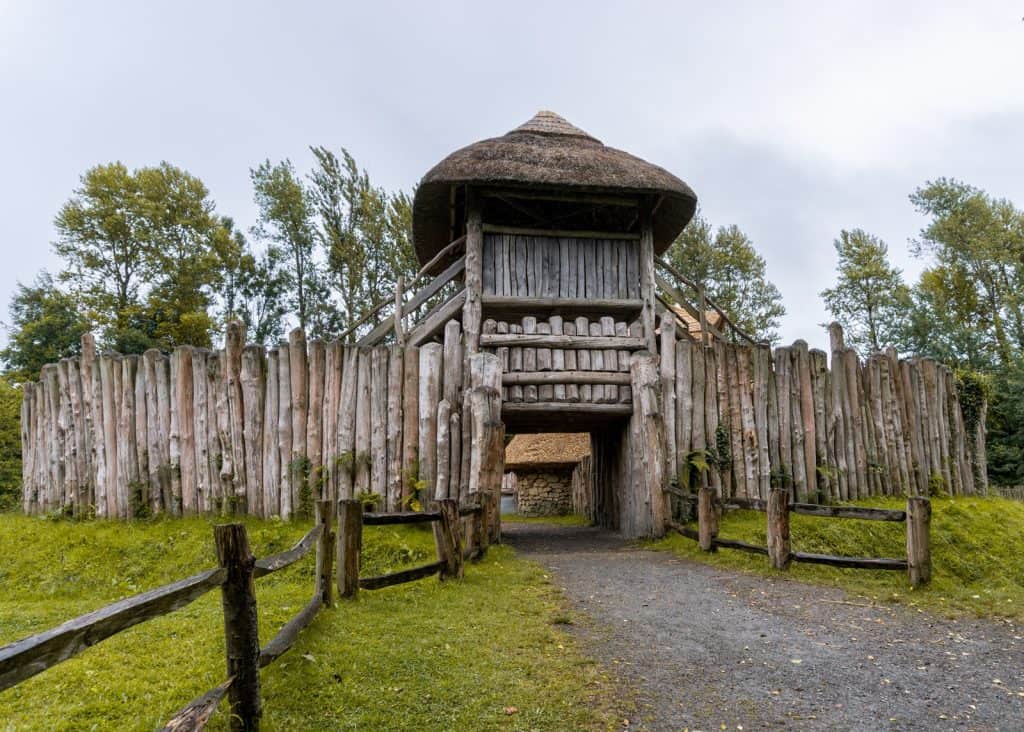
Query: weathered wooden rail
{"type": "Point", "coordinates": [234, 576]}
{"type": "Point", "coordinates": [917, 517]}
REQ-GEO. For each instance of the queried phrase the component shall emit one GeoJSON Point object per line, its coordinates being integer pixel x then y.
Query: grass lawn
{"type": "Point", "coordinates": [422, 656]}
{"type": "Point", "coordinates": [977, 554]}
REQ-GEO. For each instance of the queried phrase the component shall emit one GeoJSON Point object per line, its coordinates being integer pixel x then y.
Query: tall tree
{"type": "Point", "coordinates": [139, 252]}
{"type": "Point", "coordinates": [870, 299]}
{"type": "Point", "coordinates": [976, 244]}
{"type": "Point", "coordinates": [285, 218]}
{"type": "Point", "coordinates": [364, 233]}
{"type": "Point", "coordinates": [45, 327]}
{"type": "Point", "coordinates": [733, 275]}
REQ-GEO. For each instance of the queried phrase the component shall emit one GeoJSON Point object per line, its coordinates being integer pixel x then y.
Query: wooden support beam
{"type": "Point", "coordinates": [241, 629]}
{"type": "Point", "coordinates": [555, 233]}
{"type": "Point", "coordinates": [325, 552]}
{"type": "Point", "coordinates": [778, 528]}
{"type": "Point", "coordinates": [504, 306]}
{"type": "Point", "coordinates": [434, 321]}
{"type": "Point", "coordinates": [350, 544]}
{"type": "Point", "coordinates": [448, 538]}
{"type": "Point", "coordinates": [552, 408]}
{"type": "Point", "coordinates": [537, 340]}
{"type": "Point", "coordinates": [565, 377]}
{"type": "Point", "coordinates": [919, 555]}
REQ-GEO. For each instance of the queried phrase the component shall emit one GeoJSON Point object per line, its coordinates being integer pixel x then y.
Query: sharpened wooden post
{"type": "Point", "coordinates": [241, 634]}
{"type": "Point", "coordinates": [350, 545]}
{"type": "Point", "coordinates": [449, 539]}
{"type": "Point", "coordinates": [706, 518]}
{"type": "Point", "coordinates": [325, 552]}
{"type": "Point", "coordinates": [778, 528]}
{"type": "Point", "coordinates": [919, 553]}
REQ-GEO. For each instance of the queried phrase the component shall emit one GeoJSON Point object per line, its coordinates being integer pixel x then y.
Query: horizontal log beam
{"type": "Point", "coordinates": [428, 291]}
{"type": "Point", "coordinates": [851, 562]}
{"type": "Point", "coordinates": [26, 658]}
{"type": "Point", "coordinates": [848, 512]}
{"type": "Point", "coordinates": [740, 546]}
{"type": "Point", "coordinates": [470, 510]}
{"type": "Point", "coordinates": [546, 306]}
{"type": "Point", "coordinates": [823, 511]}
{"type": "Point", "coordinates": [400, 517]}
{"type": "Point", "coordinates": [565, 377]}
{"type": "Point", "coordinates": [397, 578]}
{"type": "Point", "coordinates": [279, 561]}
{"type": "Point", "coordinates": [524, 340]}
{"type": "Point", "coordinates": [553, 408]}
{"type": "Point", "coordinates": [288, 634]}
{"type": "Point", "coordinates": [434, 321]}
{"type": "Point", "coordinates": [194, 715]}
{"type": "Point", "coordinates": [569, 233]}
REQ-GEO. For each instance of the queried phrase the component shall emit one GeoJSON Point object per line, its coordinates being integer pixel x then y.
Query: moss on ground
{"type": "Point", "coordinates": [977, 554]}
{"type": "Point", "coordinates": [427, 655]}
{"type": "Point", "coordinates": [568, 520]}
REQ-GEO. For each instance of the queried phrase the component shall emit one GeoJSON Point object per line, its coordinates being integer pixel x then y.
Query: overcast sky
{"type": "Point", "coordinates": [793, 122]}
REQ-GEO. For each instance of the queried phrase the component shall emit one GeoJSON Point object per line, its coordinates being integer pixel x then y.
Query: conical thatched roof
{"type": "Point", "coordinates": [548, 450]}
{"type": "Point", "coordinates": [546, 152]}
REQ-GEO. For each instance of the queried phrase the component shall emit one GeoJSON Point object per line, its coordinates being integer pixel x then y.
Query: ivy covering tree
{"type": "Point", "coordinates": [870, 299]}
{"type": "Point", "coordinates": [733, 274]}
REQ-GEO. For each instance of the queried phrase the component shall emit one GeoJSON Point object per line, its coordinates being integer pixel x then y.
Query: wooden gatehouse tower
{"type": "Point", "coordinates": [560, 234]}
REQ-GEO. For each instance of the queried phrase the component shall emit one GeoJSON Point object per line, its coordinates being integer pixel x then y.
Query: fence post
{"type": "Point", "coordinates": [707, 530]}
{"type": "Point", "coordinates": [778, 528]}
{"type": "Point", "coordinates": [325, 553]}
{"type": "Point", "coordinates": [480, 537]}
{"type": "Point", "coordinates": [449, 539]}
{"type": "Point", "coordinates": [919, 553]}
{"type": "Point", "coordinates": [241, 634]}
{"type": "Point", "coordinates": [350, 545]}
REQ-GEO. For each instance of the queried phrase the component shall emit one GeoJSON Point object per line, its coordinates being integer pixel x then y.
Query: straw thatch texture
{"type": "Point", "coordinates": [548, 450]}
{"type": "Point", "coordinates": [546, 152]}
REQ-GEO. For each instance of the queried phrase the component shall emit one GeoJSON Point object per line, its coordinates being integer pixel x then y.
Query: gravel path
{"type": "Point", "coordinates": [709, 649]}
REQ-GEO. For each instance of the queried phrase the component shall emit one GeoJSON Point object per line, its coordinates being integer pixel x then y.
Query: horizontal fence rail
{"type": "Point", "coordinates": [917, 518]}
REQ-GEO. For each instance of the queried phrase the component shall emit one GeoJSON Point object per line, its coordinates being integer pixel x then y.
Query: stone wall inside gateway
{"type": "Point", "coordinates": [544, 492]}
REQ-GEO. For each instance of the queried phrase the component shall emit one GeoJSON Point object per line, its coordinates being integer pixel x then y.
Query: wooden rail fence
{"type": "Point", "coordinates": [460, 534]}
{"type": "Point", "coordinates": [917, 564]}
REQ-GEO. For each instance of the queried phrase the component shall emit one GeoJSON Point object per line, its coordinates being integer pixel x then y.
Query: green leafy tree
{"type": "Point", "coordinates": [45, 326]}
{"type": "Point", "coordinates": [285, 220]}
{"type": "Point", "coordinates": [733, 275]}
{"type": "Point", "coordinates": [976, 244]}
{"type": "Point", "coordinates": [139, 249]}
{"type": "Point", "coordinates": [10, 444]}
{"type": "Point", "coordinates": [869, 299]}
{"type": "Point", "coordinates": [364, 233]}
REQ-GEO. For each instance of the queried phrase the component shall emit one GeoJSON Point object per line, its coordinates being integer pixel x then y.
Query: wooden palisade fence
{"type": "Point", "coordinates": [235, 574]}
{"type": "Point", "coordinates": [778, 507]}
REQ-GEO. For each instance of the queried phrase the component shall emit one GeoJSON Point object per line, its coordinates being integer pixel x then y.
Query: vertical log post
{"type": "Point", "coordinates": [919, 553]}
{"type": "Point", "coordinates": [449, 539]}
{"type": "Point", "coordinates": [325, 552]}
{"type": "Point", "coordinates": [350, 545]}
{"type": "Point", "coordinates": [480, 537]}
{"type": "Point", "coordinates": [706, 524]}
{"type": "Point", "coordinates": [241, 634]}
{"type": "Point", "coordinates": [778, 528]}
